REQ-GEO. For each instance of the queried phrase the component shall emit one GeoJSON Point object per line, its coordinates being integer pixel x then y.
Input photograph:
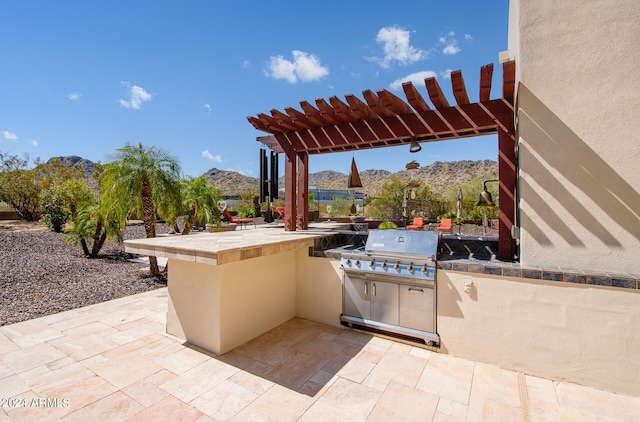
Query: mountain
{"type": "Point", "coordinates": [439, 176]}
{"type": "Point", "coordinates": [87, 165]}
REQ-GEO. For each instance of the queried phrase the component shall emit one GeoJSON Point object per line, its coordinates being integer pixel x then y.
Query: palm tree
{"type": "Point", "coordinates": [199, 202]}
{"type": "Point", "coordinates": [92, 225]}
{"type": "Point", "coordinates": [137, 174]}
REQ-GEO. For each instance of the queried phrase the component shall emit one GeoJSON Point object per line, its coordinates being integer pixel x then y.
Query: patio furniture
{"type": "Point", "coordinates": [418, 224]}
{"type": "Point", "coordinates": [233, 220]}
{"type": "Point", "coordinates": [445, 225]}
{"type": "Point", "coordinates": [280, 211]}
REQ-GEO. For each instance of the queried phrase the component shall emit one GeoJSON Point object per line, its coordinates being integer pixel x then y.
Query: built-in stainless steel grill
{"type": "Point", "coordinates": [391, 284]}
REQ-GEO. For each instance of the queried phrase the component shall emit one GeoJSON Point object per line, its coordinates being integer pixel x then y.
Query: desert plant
{"type": "Point", "coordinates": [21, 186]}
{"type": "Point", "coordinates": [199, 202]}
{"type": "Point", "coordinates": [134, 177]}
{"type": "Point", "coordinates": [339, 206]}
{"type": "Point", "coordinates": [246, 212]}
{"type": "Point", "coordinates": [386, 225]}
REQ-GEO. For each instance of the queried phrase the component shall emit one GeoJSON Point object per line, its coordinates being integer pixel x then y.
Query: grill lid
{"type": "Point", "coordinates": [402, 242]}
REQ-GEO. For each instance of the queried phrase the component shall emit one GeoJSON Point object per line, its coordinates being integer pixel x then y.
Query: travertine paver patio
{"type": "Point", "coordinates": [112, 361]}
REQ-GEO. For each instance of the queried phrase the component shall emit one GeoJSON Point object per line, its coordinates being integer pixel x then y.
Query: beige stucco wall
{"type": "Point", "coordinates": [222, 307]}
{"type": "Point", "coordinates": [318, 289]}
{"type": "Point", "coordinates": [588, 335]}
{"type": "Point", "coordinates": [578, 98]}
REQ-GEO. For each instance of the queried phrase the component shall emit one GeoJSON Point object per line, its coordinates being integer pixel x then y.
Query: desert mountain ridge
{"type": "Point", "coordinates": [439, 176]}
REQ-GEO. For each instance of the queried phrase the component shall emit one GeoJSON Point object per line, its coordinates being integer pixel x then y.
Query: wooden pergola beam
{"type": "Point", "coordinates": [384, 119]}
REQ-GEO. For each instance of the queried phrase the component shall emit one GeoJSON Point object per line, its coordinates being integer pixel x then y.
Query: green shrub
{"type": "Point", "coordinates": [387, 225]}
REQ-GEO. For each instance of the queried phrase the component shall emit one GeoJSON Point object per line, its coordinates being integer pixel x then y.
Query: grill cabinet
{"type": "Point", "coordinates": [391, 284]}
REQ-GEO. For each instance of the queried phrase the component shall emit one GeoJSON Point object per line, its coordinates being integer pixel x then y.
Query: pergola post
{"type": "Point", "coordinates": [302, 220]}
{"type": "Point", "coordinates": [290, 189]}
{"type": "Point", "coordinates": [506, 190]}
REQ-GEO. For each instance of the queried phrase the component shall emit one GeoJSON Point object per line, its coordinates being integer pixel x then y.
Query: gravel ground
{"type": "Point", "coordinates": [41, 275]}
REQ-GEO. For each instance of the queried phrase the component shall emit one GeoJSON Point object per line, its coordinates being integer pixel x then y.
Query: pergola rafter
{"type": "Point", "coordinates": [383, 119]}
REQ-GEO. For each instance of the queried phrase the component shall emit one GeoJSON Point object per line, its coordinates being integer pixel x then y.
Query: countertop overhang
{"type": "Point", "coordinates": [225, 247]}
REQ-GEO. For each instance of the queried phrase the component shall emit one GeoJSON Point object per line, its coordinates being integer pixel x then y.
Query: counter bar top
{"type": "Point", "coordinates": [225, 247]}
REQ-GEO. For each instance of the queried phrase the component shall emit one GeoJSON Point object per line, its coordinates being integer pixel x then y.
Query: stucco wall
{"type": "Point", "coordinates": [318, 288]}
{"type": "Point", "coordinates": [222, 307]}
{"type": "Point", "coordinates": [588, 335]}
{"type": "Point", "coordinates": [579, 143]}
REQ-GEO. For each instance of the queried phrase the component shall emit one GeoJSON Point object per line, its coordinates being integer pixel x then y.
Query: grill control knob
{"type": "Point", "coordinates": [410, 268]}
{"type": "Point", "coordinates": [384, 265]}
{"type": "Point", "coordinates": [372, 263]}
{"type": "Point", "coordinates": [397, 266]}
{"type": "Point", "coordinates": [357, 262]}
{"type": "Point", "coordinates": [424, 269]}
{"type": "Point", "coordinates": [348, 262]}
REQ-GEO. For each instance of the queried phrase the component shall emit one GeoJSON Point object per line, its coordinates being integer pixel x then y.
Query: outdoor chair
{"type": "Point", "coordinates": [233, 220]}
{"type": "Point", "coordinates": [445, 225]}
{"type": "Point", "coordinates": [418, 224]}
{"type": "Point", "coordinates": [280, 211]}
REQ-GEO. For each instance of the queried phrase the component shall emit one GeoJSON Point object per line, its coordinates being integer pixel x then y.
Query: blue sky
{"type": "Point", "coordinates": [86, 77]}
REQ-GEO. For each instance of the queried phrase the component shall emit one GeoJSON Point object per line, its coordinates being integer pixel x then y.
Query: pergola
{"type": "Point", "coordinates": [382, 120]}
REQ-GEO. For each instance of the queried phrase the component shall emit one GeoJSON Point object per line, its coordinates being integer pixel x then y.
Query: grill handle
{"type": "Point", "coordinates": [366, 290]}
{"type": "Point", "coordinates": [374, 289]}
{"type": "Point", "coordinates": [414, 290]}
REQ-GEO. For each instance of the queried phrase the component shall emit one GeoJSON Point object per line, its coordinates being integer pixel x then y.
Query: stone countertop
{"type": "Point", "coordinates": [225, 247]}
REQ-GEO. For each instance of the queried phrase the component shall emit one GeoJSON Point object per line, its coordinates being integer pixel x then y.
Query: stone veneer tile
{"type": "Point", "coordinates": [574, 277]}
{"type": "Point", "coordinates": [599, 279]}
{"type": "Point", "coordinates": [459, 267]}
{"type": "Point", "coordinates": [532, 273]}
{"type": "Point", "coordinates": [627, 283]}
{"type": "Point", "coordinates": [475, 268]}
{"type": "Point", "coordinates": [552, 275]}
{"type": "Point", "coordinates": [493, 269]}
{"type": "Point", "coordinates": [512, 271]}
{"type": "Point", "coordinates": [444, 265]}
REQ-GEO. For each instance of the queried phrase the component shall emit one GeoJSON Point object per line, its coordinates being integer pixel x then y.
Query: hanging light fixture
{"type": "Point", "coordinates": [415, 146]}
{"type": "Point", "coordinates": [484, 199]}
{"type": "Point", "coordinates": [354, 181]}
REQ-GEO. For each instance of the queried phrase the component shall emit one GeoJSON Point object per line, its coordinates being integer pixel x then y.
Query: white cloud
{"type": "Point", "coordinates": [33, 143]}
{"type": "Point", "coordinates": [468, 37]}
{"type": "Point", "coordinates": [74, 96]}
{"type": "Point", "coordinates": [137, 96]}
{"type": "Point", "coordinates": [206, 154]}
{"type": "Point", "coordinates": [305, 67]}
{"type": "Point", "coordinates": [451, 45]}
{"type": "Point", "coordinates": [208, 107]}
{"type": "Point", "coordinates": [9, 136]}
{"type": "Point", "coordinates": [446, 74]}
{"type": "Point", "coordinates": [416, 78]}
{"type": "Point", "coordinates": [245, 64]}
{"type": "Point", "coordinates": [397, 46]}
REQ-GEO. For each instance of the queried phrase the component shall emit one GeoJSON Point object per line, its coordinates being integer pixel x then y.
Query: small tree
{"type": "Point", "coordinates": [55, 211]}
{"type": "Point", "coordinates": [92, 226]}
{"type": "Point", "coordinates": [135, 176]}
{"type": "Point", "coordinates": [61, 202]}
{"type": "Point", "coordinates": [390, 199]}
{"type": "Point", "coordinates": [199, 202]}
{"type": "Point", "coordinates": [21, 186]}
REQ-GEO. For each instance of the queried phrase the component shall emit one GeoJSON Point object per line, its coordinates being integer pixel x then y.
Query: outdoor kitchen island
{"type": "Point", "coordinates": [230, 287]}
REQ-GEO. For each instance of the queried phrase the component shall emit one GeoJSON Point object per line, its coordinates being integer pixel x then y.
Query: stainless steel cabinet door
{"type": "Point", "coordinates": [356, 297]}
{"type": "Point", "coordinates": [384, 302]}
{"type": "Point", "coordinates": [416, 308]}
